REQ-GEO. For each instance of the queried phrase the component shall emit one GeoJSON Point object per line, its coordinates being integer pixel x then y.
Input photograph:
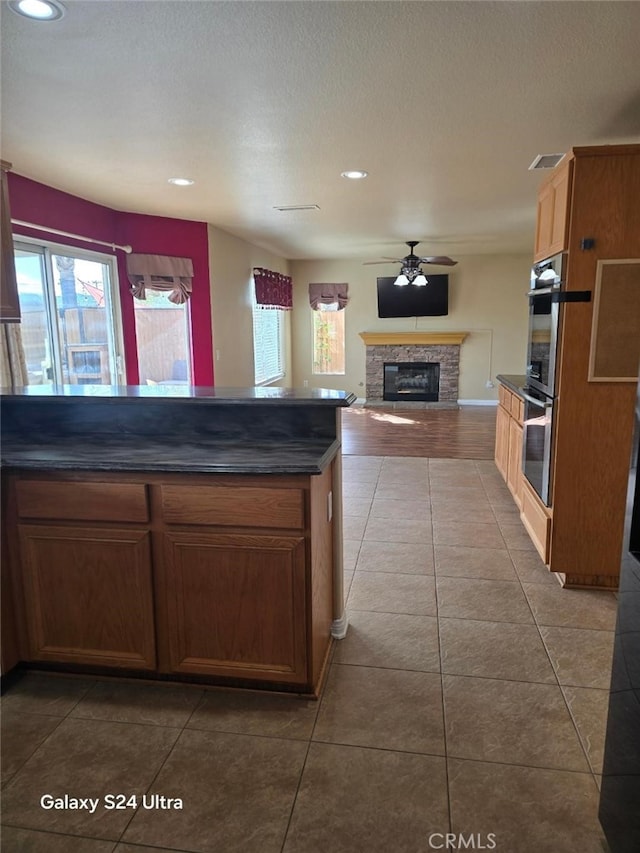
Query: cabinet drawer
{"type": "Point", "coordinates": [517, 408]}
{"type": "Point", "coordinates": [229, 505]}
{"type": "Point", "coordinates": [537, 519]}
{"type": "Point", "coordinates": [81, 501]}
{"type": "Point", "coordinates": [504, 397]}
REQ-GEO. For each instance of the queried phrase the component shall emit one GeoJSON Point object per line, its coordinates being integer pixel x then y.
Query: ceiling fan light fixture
{"type": "Point", "coordinates": [420, 280]}
{"type": "Point", "coordinates": [401, 281]}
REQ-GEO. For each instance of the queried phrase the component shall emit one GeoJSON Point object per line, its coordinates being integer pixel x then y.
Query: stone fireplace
{"type": "Point", "coordinates": [413, 350]}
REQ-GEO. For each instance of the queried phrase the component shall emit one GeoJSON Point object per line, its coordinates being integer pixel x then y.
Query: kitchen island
{"type": "Point", "coordinates": [176, 533]}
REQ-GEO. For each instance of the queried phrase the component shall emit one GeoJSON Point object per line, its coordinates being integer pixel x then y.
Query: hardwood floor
{"type": "Point", "coordinates": [467, 432]}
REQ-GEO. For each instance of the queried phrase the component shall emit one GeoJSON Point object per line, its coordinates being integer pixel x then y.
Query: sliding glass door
{"type": "Point", "coordinates": [71, 330]}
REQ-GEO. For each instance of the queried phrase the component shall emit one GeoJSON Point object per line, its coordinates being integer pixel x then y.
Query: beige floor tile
{"type": "Point", "coordinates": [405, 479]}
{"type": "Point", "coordinates": [412, 510]}
{"type": "Point", "coordinates": [87, 758]}
{"type": "Point", "coordinates": [397, 530]}
{"type": "Point", "coordinates": [14, 840]}
{"type": "Point", "coordinates": [530, 568]}
{"type": "Point", "coordinates": [572, 608]}
{"type": "Point", "coordinates": [237, 794]}
{"type": "Point", "coordinates": [487, 563]}
{"type": "Point", "coordinates": [357, 489]}
{"type": "Point", "coordinates": [362, 474]}
{"type": "Point", "coordinates": [353, 526]}
{"type": "Point", "coordinates": [470, 513]}
{"type": "Point", "coordinates": [444, 494]}
{"type": "Point", "coordinates": [505, 514]}
{"type": "Point", "coordinates": [485, 600]}
{"type": "Point", "coordinates": [390, 640]}
{"type": "Point", "coordinates": [350, 551]}
{"type": "Point", "coordinates": [45, 694]}
{"type": "Point", "coordinates": [528, 810]}
{"type": "Point", "coordinates": [580, 657]}
{"type": "Point", "coordinates": [356, 506]}
{"type": "Point", "coordinates": [22, 734]}
{"type": "Point", "coordinates": [589, 711]}
{"type": "Point", "coordinates": [395, 557]}
{"type": "Point", "coordinates": [403, 492]}
{"type": "Point", "coordinates": [138, 702]}
{"type": "Point", "coordinates": [252, 712]}
{"type": "Point", "coordinates": [448, 480]}
{"type": "Point", "coordinates": [137, 848]}
{"type": "Point", "coordinates": [516, 537]}
{"type": "Point", "coordinates": [510, 722]}
{"type": "Point", "coordinates": [355, 800]}
{"type": "Point", "coordinates": [390, 592]}
{"type": "Point", "coordinates": [348, 580]}
{"type": "Point", "coordinates": [494, 650]}
{"type": "Point", "coordinates": [468, 534]}
{"type": "Point", "coordinates": [408, 709]}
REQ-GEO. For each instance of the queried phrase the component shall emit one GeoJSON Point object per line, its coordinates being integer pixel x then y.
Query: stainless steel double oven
{"type": "Point", "coordinates": [540, 393]}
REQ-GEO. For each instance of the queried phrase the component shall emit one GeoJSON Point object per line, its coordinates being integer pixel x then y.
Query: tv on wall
{"type": "Point", "coordinates": [412, 301]}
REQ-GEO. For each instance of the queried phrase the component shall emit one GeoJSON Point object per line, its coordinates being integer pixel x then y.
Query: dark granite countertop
{"type": "Point", "coordinates": [198, 394]}
{"type": "Point", "coordinates": [513, 382]}
{"type": "Point", "coordinates": [177, 428]}
{"type": "Point", "coordinates": [190, 456]}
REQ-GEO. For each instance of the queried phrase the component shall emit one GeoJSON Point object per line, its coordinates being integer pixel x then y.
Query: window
{"type": "Point", "coordinates": [268, 337]}
{"type": "Point", "coordinates": [163, 339]}
{"type": "Point", "coordinates": [328, 339]}
{"type": "Point", "coordinates": [70, 318]}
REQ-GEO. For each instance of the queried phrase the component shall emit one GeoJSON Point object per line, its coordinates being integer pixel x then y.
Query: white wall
{"type": "Point", "coordinates": [231, 261]}
{"type": "Point", "coordinates": [486, 298]}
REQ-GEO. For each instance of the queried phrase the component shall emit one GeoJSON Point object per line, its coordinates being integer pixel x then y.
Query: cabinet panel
{"type": "Point", "coordinates": [236, 605]}
{"type": "Point", "coordinates": [502, 441]}
{"type": "Point", "coordinates": [514, 467]}
{"type": "Point", "coordinates": [552, 223]}
{"type": "Point", "coordinates": [88, 595]}
{"type": "Point", "coordinates": [535, 517]}
{"type": "Point", "coordinates": [233, 505]}
{"type": "Point", "coordinates": [82, 501]}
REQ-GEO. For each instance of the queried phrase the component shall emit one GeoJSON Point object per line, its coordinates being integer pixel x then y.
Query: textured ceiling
{"type": "Point", "coordinates": [265, 103]}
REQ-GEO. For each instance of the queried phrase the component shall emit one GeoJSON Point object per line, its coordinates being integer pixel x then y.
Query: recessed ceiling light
{"type": "Point", "coordinates": [38, 10]}
{"type": "Point", "coordinates": [354, 174]}
{"type": "Point", "coordinates": [181, 182]}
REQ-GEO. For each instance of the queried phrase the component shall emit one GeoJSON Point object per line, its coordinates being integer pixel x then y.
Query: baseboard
{"type": "Point", "coordinates": [477, 402]}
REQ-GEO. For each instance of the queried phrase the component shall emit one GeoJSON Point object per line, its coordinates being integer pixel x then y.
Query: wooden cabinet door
{"type": "Point", "coordinates": [502, 441]}
{"type": "Point", "coordinates": [88, 595]}
{"type": "Point", "coordinates": [553, 213]}
{"type": "Point", "coordinates": [236, 605]}
{"type": "Point", "coordinates": [514, 465]}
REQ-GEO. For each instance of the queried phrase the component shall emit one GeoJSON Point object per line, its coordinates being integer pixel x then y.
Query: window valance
{"type": "Point", "coordinates": [160, 272]}
{"type": "Point", "coordinates": [327, 294]}
{"type": "Point", "coordinates": [273, 290]}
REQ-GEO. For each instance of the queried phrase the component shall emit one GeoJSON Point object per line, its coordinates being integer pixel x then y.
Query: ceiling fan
{"type": "Point", "coordinates": [411, 272]}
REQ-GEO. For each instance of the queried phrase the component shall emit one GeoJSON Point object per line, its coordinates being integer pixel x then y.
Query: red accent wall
{"type": "Point", "coordinates": [159, 235]}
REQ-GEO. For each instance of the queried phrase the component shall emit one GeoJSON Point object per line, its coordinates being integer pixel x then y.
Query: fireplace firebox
{"type": "Point", "coordinates": [412, 381]}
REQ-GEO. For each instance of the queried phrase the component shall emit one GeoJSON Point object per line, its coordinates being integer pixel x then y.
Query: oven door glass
{"type": "Point", "coordinates": [538, 423]}
{"type": "Point", "coordinates": [543, 330]}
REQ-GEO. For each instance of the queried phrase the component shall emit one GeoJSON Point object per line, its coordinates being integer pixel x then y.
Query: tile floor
{"type": "Point", "coordinates": [469, 696]}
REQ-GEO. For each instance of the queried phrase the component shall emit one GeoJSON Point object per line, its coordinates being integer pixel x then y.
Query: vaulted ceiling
{"type": "Point", "coordinates": [264, 104]}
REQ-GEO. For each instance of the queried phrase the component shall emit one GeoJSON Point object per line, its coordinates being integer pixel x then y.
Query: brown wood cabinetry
{"type": "Point", "coordinates": [88, 595]}
{"type": "Point", "coordinates": [552, 221]}
{"type": "Point", "coordinates": [221, 576]}
{"type": "Point", "coordinates": [508, 451]}
{"type": "Point", "coordinates": [589, 207]}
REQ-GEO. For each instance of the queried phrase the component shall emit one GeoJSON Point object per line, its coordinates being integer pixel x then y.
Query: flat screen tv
{"type": "Point", "coordinates": [412, 301]}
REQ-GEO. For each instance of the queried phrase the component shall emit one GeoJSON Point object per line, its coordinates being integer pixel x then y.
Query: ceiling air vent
{"type": "Point", "coordinates": [545, 161]}
{"type": "Point", "coordinates": [287, 207]}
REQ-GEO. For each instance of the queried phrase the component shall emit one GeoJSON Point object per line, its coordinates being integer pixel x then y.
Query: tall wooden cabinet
{"type": "Point", "coordinates": [589, 207]}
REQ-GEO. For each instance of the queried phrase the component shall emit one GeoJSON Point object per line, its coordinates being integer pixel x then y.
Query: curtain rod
{"type": "Point", "coordinates": [113, 246]}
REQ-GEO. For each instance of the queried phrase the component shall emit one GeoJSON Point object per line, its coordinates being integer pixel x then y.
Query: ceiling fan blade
{"type": "Point", "coordinates": [389, 261]}
{"type": "Point", "coordinates": [440, 260]}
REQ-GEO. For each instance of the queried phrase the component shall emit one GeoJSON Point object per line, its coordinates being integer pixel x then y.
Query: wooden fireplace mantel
{"type": "Point", "coordinates": [413, 338]}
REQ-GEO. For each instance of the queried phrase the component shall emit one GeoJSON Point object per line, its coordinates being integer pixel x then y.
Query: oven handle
{"type": "Point", "coordinates": [536, 402]}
